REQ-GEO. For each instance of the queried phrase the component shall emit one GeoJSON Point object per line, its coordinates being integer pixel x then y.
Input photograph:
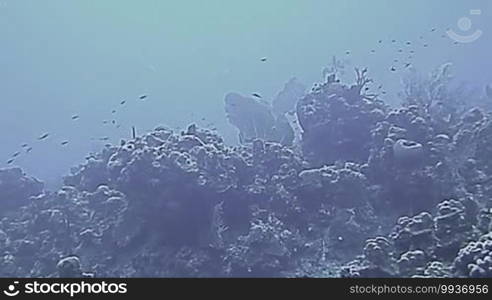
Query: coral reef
{"type": "Point", "coordinates": [368, 191]}
{"type": "Point", "coordinates": [337, 120]}
{"type": "Point", "coordinates": [17, 189]}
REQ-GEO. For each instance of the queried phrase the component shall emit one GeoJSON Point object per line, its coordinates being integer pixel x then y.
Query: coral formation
{"type": "Point", "coordinates": [369, 191]}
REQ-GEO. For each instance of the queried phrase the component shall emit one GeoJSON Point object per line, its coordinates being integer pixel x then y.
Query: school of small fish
{"type": "Point", "coordinates": [411, 47]}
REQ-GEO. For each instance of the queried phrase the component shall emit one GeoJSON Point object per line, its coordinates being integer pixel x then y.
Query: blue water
{"type": "Point", "coordinates": [62, 58]}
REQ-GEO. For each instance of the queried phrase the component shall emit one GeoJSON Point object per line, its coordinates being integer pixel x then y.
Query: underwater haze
{"type": "Point", "coordinates": [328, 122]}
{"type": "Point", "coordinates": [64, 58]}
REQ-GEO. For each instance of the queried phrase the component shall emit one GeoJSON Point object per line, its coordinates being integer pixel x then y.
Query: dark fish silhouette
{"type": "Point", "coordinates": [123, 102]}
{"type": "Point", "coordinates": [113, 111]}
{"type": "Point", "coordinates": [28, 149]}
{"type": "Point", "coordinates": [104, 138]}
{"type": "Point", "coordinates": [488, 91]}
{"type": "Point", "coordinates": [10, 161]}
{"type": "Point", "coordinates": [75, 117]}
{"type": "Point", "coordinates": [373, 51]}
{"type": "Point", "coordinates": [393, 69]}
{"type": "Point", "coordinates": [44, 136]}
{"type": "Point", "coordinates": [347, 52]}
{"type": "Point", "coordinates": [24, 145]}
{"type": "Point", "coordinates": [256, 95]}
{"type": "Point", "coordinates": [142, 97]}
{"type": "Point", "coordinates": [64, 143]}
{"type": "Point", "coordinates": [380, 41]}
{"type": "Point", "coordinates": [409, 43]}
{"type": "Point", "coordinates": [433, 29]}
{"type": "Point", "coordinates": [113, 122]}
{"type": "Point", "coordinates": [263, 59]}
{"type": "Point", "coordinates": [426, 45]}
{"type": "Point", "coordinates": [393, 41]}
{"type": "Point", "coordinates": [16, 154]}
{"type": "Point", "coordinates": [407, 65]}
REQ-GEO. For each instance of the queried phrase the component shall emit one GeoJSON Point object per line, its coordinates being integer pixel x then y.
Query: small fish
{"type": "Point", "coordinates": [142, 97]}
{"type": "Point", "coordinates": [367, 88]}
{"type": "Point", "coordinates": [75, 117]}
{"type": "Point", "coordinates": [380, 86]}
{"type": "Point", "coordinates": [105, 122]}
{"type": "Point", "coordinates": [412, 51]}
{"type": "Point", "coordinates": [263, 59]}
{"type": "Point", "coordinates": [24, 145]}
{"type": "Point", "coordinates": [407, 65]}
{"type": "Point", "coordinates": [384, 92]}
{"type": "Point", "coordinates": [113, 122]}
{"type": "Point", "coordinates": [373, 51]}
{"type": "Point", "coordinates": [104, 138]}
{"type": "Point", "coordinates": [393, 69]}
{"type": "Point", "coordinates": [426, 45]}
{"type": "Point", "coordinates": [10, 161]}
{"type": "Point", "coordinates": [400, 50]}
{"type": "Point", "coordinates": [123, 102]}
{"type": "Point", "coordinates": [113, 111]}
{"type": "Point", "coordinates": [409, 43]}
{"type": "Point", "coordinates": [347, 52]}
{"type": "Point", "coordinates": [380, 41]}
{"type": "Point", "coordinates": [44, 136]}
{"type": "Point", "coordinates": [28, 149]}
{"type": "Point", "coordinates": [256, 95]}
{"type": "Point", "coordinates": [64, 143]}
{"type": "Point", "coordinates": [433, 30]}
{"type": "Point", "coordinates": [203, 119]}
{"type": "Point", "coordinates": [393, 41]}
{"type": "Point", "coordinates": [16, 154]}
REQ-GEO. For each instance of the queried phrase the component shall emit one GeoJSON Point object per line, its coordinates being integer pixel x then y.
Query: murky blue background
{"type": "Point", "coordinates": [59, 58]}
